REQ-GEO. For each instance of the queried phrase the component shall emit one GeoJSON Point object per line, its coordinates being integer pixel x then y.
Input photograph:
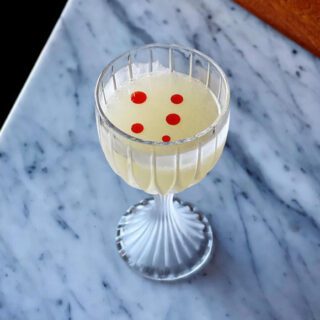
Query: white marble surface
{"type": "Point", "coordinates": [60, 202]}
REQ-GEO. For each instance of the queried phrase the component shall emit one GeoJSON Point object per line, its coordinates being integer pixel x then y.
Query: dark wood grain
{"type": "Point", "coordinates": [298, 19]}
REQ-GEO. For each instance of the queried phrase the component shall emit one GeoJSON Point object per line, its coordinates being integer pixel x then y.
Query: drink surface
{"type": "Point", "coordinates": [165, 106]}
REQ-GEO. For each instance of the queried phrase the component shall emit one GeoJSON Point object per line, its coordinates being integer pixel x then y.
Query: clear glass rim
{"type": "Point", "coordinates": [198, 135]}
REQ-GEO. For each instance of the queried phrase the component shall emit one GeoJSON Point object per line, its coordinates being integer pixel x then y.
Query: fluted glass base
{"type": "Point", "coordinates": [164, 238]}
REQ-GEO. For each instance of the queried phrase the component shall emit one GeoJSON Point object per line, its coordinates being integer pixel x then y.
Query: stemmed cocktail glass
{"type": "Point", "coordinates": [162, 237]}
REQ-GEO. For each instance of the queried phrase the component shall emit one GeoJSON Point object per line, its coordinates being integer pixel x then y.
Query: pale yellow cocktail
{"type": "Point", "coordinates": [164, 106]}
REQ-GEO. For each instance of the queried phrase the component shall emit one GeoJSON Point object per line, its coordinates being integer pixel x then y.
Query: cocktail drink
{"type": "Point", "coordinates": [162, 117]}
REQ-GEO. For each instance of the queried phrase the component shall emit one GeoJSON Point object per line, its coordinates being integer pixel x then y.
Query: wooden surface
{"type": "Point", "coordinates": [298, 19]}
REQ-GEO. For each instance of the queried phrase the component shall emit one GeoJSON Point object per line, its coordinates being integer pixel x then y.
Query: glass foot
{"type": "Point", "coordinates": [164, 239]}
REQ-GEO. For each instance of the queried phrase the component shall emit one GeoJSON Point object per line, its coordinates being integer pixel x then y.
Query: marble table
{"type": "Point", "coordinates": [60, 201]}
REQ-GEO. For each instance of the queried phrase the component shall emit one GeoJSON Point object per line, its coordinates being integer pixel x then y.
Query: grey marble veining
{"type": "Point", "coordinates": [60, 201]}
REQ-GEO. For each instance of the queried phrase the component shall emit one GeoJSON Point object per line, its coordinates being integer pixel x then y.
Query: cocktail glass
{"type": "Point", "coordinates": [163, 238]}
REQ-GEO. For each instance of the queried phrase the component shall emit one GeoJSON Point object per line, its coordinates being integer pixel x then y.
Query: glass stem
{"type": "Point", "coordinates": [164, 204]}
